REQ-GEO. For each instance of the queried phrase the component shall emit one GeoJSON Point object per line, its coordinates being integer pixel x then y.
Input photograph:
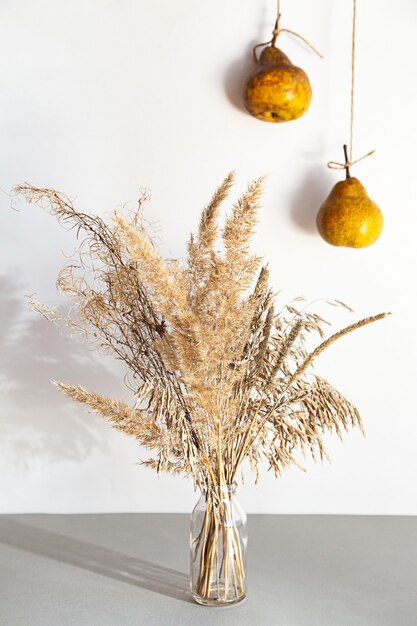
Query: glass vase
{"type": "Point", "coordinates": [218, 542]}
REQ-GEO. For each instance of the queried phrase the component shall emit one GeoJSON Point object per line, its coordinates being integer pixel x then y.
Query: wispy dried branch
{"type": "Point", "coordinates": [218, 376]}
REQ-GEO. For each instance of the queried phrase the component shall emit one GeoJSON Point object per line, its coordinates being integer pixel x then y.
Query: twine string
{"type": "Point", "coordinates": [278, 30]}
{"type": "Point", "coordinates": [349, 160]}
{"type": "Point", "coordinates": [308, 43]}
{"type": "Point", "coordinates": [335, 165]}
{"type": "Point", "coordinates": [352, 89]}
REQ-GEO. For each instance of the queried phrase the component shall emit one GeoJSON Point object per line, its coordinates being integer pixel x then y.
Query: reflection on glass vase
{"type": "Point", "coordinates": [218, 542]}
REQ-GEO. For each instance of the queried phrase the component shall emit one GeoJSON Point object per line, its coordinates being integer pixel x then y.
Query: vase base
{"type": "Point", "coordinates": [217, 600]}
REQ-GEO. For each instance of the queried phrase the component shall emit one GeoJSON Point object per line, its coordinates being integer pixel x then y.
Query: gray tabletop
{"type": "Point", "coordinates": [131, 569]}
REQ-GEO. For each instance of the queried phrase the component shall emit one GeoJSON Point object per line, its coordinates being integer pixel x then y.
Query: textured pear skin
{"type": "Point", "coordinates": [348, 217]}
{"type": "Point", "coordinates": [278, 91]}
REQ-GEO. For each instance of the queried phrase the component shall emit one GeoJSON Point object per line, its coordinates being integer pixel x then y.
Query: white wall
{"type": "Point", "coordinates": [99, 98]}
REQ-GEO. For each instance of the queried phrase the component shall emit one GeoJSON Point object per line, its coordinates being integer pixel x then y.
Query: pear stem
{"type": "Point", "coordinates": [275, 32]}
{"type": "Point", "coordinates": [345, 150]}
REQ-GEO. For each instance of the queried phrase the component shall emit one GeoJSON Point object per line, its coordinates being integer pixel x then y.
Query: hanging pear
{"type": "Point", "coordinates": [277, 91]}
{"type": "Point", "coordinates": [348, 217]}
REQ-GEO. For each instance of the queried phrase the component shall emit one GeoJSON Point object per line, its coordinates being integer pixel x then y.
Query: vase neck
{"type": "Point", "coordinates": [220, 491]}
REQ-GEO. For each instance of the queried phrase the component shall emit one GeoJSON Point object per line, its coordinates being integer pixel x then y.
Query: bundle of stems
{"type": "Point", "coordinates": [218, 376]}
{"type": "Point", "coordinates": [219, 549]}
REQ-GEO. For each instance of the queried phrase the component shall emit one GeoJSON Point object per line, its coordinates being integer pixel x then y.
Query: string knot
{"type": "Point", "coordinates": [336, 165]}
{"type": "Point", "coordinates": [277, 31]}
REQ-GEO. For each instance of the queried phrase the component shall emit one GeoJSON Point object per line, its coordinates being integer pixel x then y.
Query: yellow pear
{"type": "Point", "coordinates": [278, 91]}
{"type": "Point", "coordinates": [348, 217]}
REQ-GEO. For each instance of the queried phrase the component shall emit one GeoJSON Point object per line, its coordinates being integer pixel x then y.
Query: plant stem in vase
{"type": "Point", "coordinates": [218, 543]}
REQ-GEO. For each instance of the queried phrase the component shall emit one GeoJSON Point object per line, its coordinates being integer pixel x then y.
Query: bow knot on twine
{"type": "Point", "coordinates": [336, 165]}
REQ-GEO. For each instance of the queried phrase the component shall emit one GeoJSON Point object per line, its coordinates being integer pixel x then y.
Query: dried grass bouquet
{"type": "Point", "coordinates": [218, 376]}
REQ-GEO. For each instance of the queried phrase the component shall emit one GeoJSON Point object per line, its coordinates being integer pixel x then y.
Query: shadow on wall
{"type": "Point", "coordinates": [238, 72]}
{"type": "Point", "coordinates": [36, 420]}
{"type": "Point", "coordinates": [314, 189]}
{"type": "Point", "coordinates": [236, 77]}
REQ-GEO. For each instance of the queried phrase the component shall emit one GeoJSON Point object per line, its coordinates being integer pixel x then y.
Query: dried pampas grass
{"type": "Point", "coordinates": [218, 376]}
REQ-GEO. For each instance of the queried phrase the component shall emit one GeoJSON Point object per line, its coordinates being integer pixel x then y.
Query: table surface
{"type": "Point", "coordinates": [132, 569]}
